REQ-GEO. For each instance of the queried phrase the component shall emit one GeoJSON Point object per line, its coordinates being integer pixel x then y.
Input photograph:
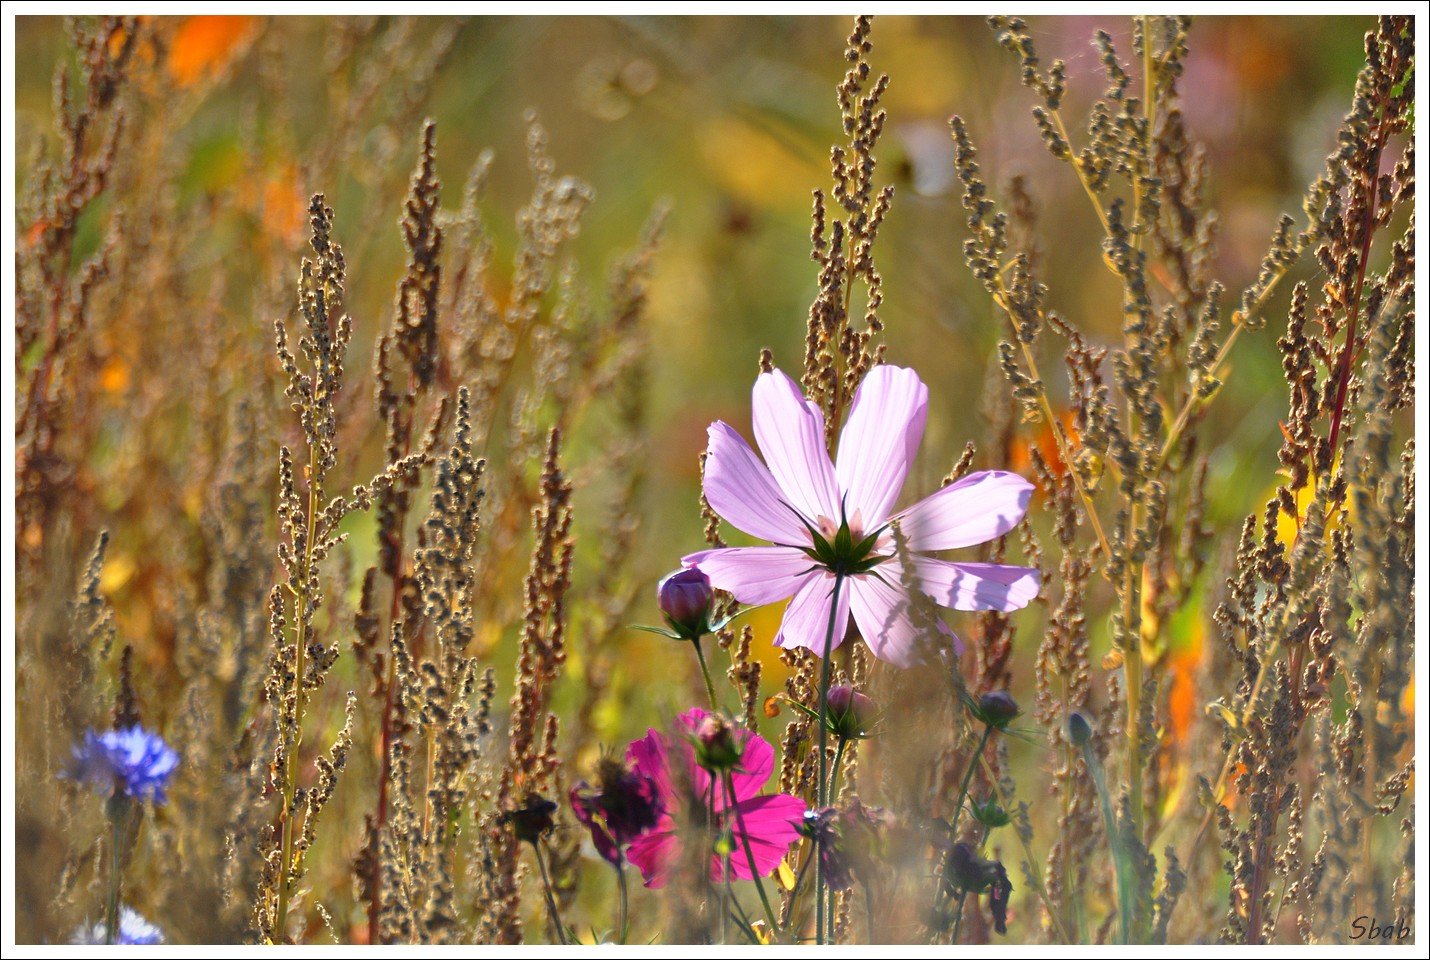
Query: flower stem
{"type": "Point", "coordinates": [705, 672]}
{"type": "Point", "coordinates": [550, 899]}
{"type": "Point", "coordinates": [625, 921]}
{"type": "Point", "coordinates": [300, 644]}
{"type": "Point", "coordinates": [749, 854]}
{"type": "Point", "coordinates": [798, 885]}
{"type": "Point", "coordinates": [838, 762]}
{"type": "Point", "coordinates": [116, 873]}
{"type": "Point", "coordinates": [1007, 801]}
{"type": "Point", "coordinates": [819, 936]}
{"type": "Point", "coordinates": [957, 814]}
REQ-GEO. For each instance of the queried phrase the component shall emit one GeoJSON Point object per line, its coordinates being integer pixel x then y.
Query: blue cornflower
{"type": "Point", "coordinates": [134, 931]}
{"type": "Point", "coordinates": [133, 762]}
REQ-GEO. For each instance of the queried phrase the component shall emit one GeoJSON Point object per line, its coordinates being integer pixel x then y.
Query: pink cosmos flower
{"type": "Point", "coordinates": [768, 822]}
{"type": "Point", "coordinates": [826, 518]}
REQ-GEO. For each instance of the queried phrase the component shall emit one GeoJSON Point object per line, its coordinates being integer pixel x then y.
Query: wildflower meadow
{"type": "Point", "coordinates": [729, 480]}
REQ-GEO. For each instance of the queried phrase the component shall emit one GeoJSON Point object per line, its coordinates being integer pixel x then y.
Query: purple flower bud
{"type": "Point", "coordinates": [852, 715]}
{"type": "Point", "coordinates": [685, 597]}
{"type": "Point", "coordinates": [533, 819]}
{"type": "Point", "coordinates": [715, 746]}
{"type": "Point", "coordinates": [998, 709]}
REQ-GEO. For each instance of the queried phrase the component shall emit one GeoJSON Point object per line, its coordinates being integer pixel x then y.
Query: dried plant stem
{"type": "Point", "coordinates": [1077, 168]}
{"type": "Point", "coordinates": [1133, 666]}
{"type": "Point", "coordinates": [1149, 110]}
{"type": "Point", "coordinates": [1054, 424]}
{"type": "Point", "coordinates": [290, 774]}
{"type": "Point", "coordinates": [823, 785]}
{"type": "Point", "coordinates": [117, 811]}
{"type": "Point", "coordinates": [1239, 321]}
{"type": "Point", "coordinates": [1349, 348]}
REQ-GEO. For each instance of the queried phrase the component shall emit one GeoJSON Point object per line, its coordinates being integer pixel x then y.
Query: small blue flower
{"type": "Point", "coordinates": [134, 931]}
{"type": "Point", "coordinates": [133, 762]}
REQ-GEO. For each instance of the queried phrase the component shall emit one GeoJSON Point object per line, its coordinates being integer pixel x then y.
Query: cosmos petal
{"type": "Point", "coordinates": [790, 432]}
{"type": "Point", "coordinates": [977, 586]}
{"type": "Point", "coordinates": [744, 493]}
{"type": "Point", "coordinates": [754, 575]}
{"type": "Point", "coordinates": [882, 609]}
{"type": "Point", "coordinates": [886, 423]}
{"type": "Point", "coordinates": [654, 855]}
{"type": "Point", "coordinates": [981, 507]}
{"type": "Point", "coordinates": [806, 619]}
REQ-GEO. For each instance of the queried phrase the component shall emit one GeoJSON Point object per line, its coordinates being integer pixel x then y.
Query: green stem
{"type": "Point", "coordinates": [957, 814]}
{"type": "Point", "coordinates": [625, 922]}
{"type": "Point", "coordinates": [550, 898]}
{"type": "Point", "coordinates": [705, 672]}
{"type": "Point", "coordinates": [725, 897]}
{"type": "Point", "coordinates": [749, 854]}
{"type": "Point", "coordinates": [116, 872]}
{"type": "Point", "coordinates": [1007, 800]}
{"type": "Point", "coordinates": [1124, 892]}
{"type": "Point", "coordinates": [958, 917]}
{"type": "Point", "coordinates": [838, 762]}
{"type": "Point", "coordinates": [819, 932]}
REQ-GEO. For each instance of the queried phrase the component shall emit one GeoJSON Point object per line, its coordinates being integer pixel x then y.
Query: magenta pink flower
{"type": "Point", "coordinates": [827, 518]}
{"type": "Point", "coordinates": [767, 822]}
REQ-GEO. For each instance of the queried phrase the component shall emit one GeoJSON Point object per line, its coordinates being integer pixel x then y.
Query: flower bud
{"type": "Point", "coordinates": [715, 746]}
{"type": "Point", "coordinates": [851, 714]}
{"type": "Point", "coordinates": [533, 819]}
{"type": "Point", "coordinates": [685, 597]}
{"type": "Point", "coordinates": [1079, 730]}
{"type": "Point", "coordinates": [997, 709]}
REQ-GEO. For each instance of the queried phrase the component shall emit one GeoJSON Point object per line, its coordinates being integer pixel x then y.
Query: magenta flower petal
{"type": "Point", "coordinates": [980, 507]}
{"type": "Point", "coordinates": [769, 825]}
{"type": "Point", "coordinates": [756, 765]}
{"type": "Point", "coordinates": [806, 619]}
{"type": "Point", "coordinates": [743, 492]}
{"type": "Point", "coordinates": [654, 854]}
{"type": "Point", "coordinates": [790, 432]}
{"type": "Point", "coordinates": [977, 586]}
{"type": "Point", "coordinates": [765, 821]}
{"type": "Point", "coordinates": [886, 423]}
{"type": "Point", "coordinates": [647, 756]}
{"type": "Point", "coordinates": [755, 575]}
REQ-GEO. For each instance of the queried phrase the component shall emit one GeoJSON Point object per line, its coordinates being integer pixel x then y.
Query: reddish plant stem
{"type": "Point", "coordinates": [374, 906]}
{"type": "Point", "coordinates": [1349, 349]}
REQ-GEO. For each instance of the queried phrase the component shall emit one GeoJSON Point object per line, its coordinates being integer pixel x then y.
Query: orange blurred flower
{"type": "Point", "coordinates": [203, 46]}
{"type": "Point", "coordinates": [1046, 443]}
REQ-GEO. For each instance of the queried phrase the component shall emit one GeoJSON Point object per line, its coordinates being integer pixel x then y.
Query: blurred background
{"type": "Point", "coordinates": [729, 120]}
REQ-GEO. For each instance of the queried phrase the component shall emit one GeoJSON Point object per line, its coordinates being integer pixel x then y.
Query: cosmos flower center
{"type": "Point", "coordinates": [844, 548]}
